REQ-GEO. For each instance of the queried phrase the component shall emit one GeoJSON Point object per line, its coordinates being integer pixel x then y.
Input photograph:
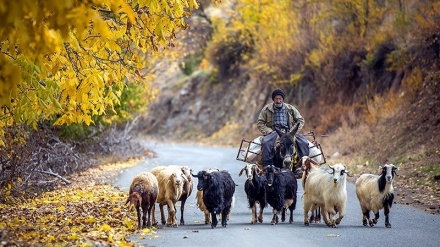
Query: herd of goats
{"type": "Point", "coordinates": [324, 193]}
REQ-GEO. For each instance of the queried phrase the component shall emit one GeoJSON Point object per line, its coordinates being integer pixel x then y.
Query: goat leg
{"type": "Point", "coordinates": [341, 214]}
{"type": "Point", "coordinates": [365, 217]}
{"type": "Point", "coordinates": [376, 217]}
{"type": "Point", "coordinates": [260, 217]}
{"type": "Point", "coordinates": [325, 215]}
{"type": "Point", "coordinates": [224, 218]}
{"type": "Point", "coordinates": [283, 214]}
{"type": "Point", "coordinates": [275, 217]}
{"type": "Point", "coordinates": [387, 219]}
{"type": "Point", "coordinates": [254, 214]}
{"type": "Point", "coordinates": [291, 215]}
{"type": "Point", "coordinates": [214, 220]}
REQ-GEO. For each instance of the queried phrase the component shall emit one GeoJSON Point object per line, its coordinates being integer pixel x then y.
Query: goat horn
{"type": "Point", "coordinates": [241, 172]}
{"type": "Point", "coordinates": [314, 162]}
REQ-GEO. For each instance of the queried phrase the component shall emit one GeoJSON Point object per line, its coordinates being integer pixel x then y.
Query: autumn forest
{"type": "Point", "coordinates": [79, 79]}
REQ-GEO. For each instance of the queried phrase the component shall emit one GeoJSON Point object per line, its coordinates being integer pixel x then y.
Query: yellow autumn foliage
{"type": "Point", "coordinates": [77, 214]}
{"type": "Point", "coordinates": [68, 60]}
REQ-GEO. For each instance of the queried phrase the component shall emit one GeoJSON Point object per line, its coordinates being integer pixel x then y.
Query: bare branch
{"type": "Point", "coordinates": [56, 175]}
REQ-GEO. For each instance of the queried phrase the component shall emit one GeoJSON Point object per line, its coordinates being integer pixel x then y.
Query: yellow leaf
{"type": "Point", "coordinates": [110, 238]}
{"type": "Point", "coordinates": [50, 238]}
{"type": "Point", "coordinates": [62, 208]}
{"type": "Point", "coordinates": [90, 219]}
{"type": "Point", "coordinates": [105, 228]}
{"type": "Point", "coordinates": [124, 243]}
{"type": "Point", "coordinates": [73, 237]}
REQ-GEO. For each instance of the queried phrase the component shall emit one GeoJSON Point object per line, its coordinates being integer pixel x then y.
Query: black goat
{"type": "Point", "coordinates": [281, 188]}
{"type": "Point", "coordinates": [255, 190]}
{"type": "Point", "coordinates": [218, 191]}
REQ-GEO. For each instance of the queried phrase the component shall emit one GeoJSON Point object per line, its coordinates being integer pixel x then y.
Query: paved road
{"type": "Point", "coordinates": [410, 227]}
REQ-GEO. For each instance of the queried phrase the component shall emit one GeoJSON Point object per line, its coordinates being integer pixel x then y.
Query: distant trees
{"type": "Point", "coordinates": [341, 51]}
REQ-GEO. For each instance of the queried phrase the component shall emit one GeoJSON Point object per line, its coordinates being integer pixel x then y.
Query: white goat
{"type": "Point", "coordinates": [375, 192]}
{"type": "Point", "coordinates": [309, 165]}
{"type": "Point", "coordinates": [326, 189]}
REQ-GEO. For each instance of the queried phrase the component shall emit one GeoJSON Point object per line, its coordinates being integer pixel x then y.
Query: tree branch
{"type": "Point", "coordinates": [55, 175]}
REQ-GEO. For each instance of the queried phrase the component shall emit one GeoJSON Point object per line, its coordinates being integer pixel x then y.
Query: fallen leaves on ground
{"type": "Point", "coordinates": [83, 214]}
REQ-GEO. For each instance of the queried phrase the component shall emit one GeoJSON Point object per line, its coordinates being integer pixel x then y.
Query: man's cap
{"type": "Point", "coordinates": [277, 92]}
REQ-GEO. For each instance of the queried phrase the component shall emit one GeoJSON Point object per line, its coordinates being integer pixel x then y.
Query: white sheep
{"type": "Point", "coordinates": [171, 182]}
{"type": "Point", "coordinates": [187, 188]}
{"type": "Point", "coordinates": [326, 189]}
{"type": "Point", "coordinates": [142, 194]}
{"type": "Point", "coordinates": [375, 192]}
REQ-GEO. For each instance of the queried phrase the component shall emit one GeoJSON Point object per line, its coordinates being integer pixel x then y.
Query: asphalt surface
{"type": "Point", "coordinates": [410, 226]}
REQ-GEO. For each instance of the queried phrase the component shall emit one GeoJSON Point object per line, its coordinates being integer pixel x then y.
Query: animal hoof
{"type": "Point", "coordinates": [388, 225]}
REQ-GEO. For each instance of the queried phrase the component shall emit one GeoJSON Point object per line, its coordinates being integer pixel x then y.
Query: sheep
{"type": "Point", "coordinates": [187, 189]}
{"type": "Point", "coordinates": [218, 192]}
{"type": "Point", "coordinates": [171, 182]}
{"type": "Point", "coordinates": [375, 192]}
{"type": "Point", "coordinates": [143, 194]}
{"type": "Point", "coordinates": [255, 190]}
{"type": "Point", "coordinates": [281, 188]}
{"type": "Point", "coordinates": [328, 190]}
